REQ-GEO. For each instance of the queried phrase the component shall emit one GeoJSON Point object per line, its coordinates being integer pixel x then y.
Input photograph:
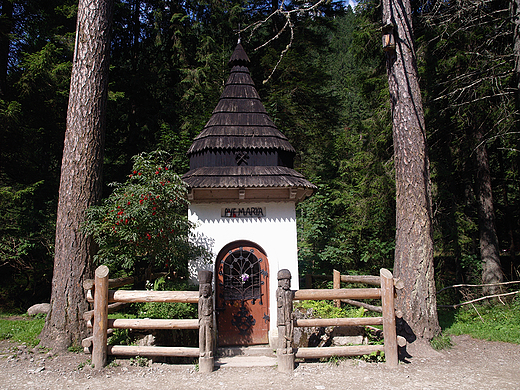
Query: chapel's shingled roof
{"type": "Point", "coordinates": [240, 124]}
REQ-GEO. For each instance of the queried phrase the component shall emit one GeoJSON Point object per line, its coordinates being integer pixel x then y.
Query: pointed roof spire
{"type": "Point", "coordinates": [239, 56]}
{"type": "Point", "coordinates": [240, 146]}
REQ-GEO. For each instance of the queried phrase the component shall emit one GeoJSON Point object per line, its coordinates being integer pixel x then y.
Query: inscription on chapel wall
{"type": "Point", "coordinates": [243, 212]}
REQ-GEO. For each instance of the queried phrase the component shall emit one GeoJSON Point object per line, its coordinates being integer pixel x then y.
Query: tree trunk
{"type": "Point", "coordinates": [80, 184]}
{"type": "Point", "coordinates": [516, 50]}
{"type": "Point", "coordinates": [414, 241]}
{"type": "Point", "coordinates": [491, 269]}
{"type": "Point", "coordinates": [515, 7]}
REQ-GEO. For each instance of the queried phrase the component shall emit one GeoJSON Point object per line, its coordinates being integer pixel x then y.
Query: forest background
{"type": "Point", "coordinates": [328, 95]}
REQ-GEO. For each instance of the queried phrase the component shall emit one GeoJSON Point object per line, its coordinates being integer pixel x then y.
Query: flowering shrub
{"type": "Point", "coordinates": [144, 221]}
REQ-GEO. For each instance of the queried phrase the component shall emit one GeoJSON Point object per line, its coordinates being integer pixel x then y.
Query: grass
{"type": "Point", "coordinates": [24, 330]}
{"type": "Point", "coordinates": [497, 322]}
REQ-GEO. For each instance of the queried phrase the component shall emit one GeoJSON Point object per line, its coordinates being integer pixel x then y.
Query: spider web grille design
{"type": "Point", "coordinates": [241, 272]}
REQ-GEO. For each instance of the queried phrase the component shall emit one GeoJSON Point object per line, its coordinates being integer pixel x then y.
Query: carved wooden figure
{"type": "Point", "coordinates": [206, 331]}
{"type": "Point", "coordinates": [284, 299]}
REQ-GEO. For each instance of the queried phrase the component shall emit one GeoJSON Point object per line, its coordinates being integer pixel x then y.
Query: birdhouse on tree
{"type": "Point", "coordinates": [243, 192]}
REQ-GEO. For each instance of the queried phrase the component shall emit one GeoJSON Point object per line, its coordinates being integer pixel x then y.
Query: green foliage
{"type": "Point", "coordinates": [495, 322]}
{"type": "Point", "coordinates": [327, 309]}
{"type": "Point", "coordinates": [139, 361]}
{"type": "Point", "coordinates": [144, 221]}
{"type": "Point", "coordinates": [75, 348]}
{"type": "Point", "coordinates": [440, 342]}
{"type": "Point", "coordinates": [25, 244]}
{"type": "Point", "coordinates": [374, 357]}
{"type": "Point", "coordinates": [120, 337]}
{"type": "Point", "coordinates": [22, 330]}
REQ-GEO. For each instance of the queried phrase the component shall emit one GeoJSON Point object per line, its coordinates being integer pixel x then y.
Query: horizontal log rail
{"type": "Point", "coordinates": [377, 309]}
{"type": "Point", "coordinates": [366, 279]}
{"type": "Point", "coordinates": [149, 323]}
{"type": "Point", "coordinates": [133, 296]}
{"type": "Point", "coordinates": [322, 322]}
{"type": "Point", "coordinates": [345, 293]}
{"type": "Point", "coordinates": [134, 350]}
{"type": "Point", "coordinates": [328, 352]}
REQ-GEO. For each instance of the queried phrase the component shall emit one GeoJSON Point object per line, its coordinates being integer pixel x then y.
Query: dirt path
{"type": "Point", "coordinates": [470, 364]}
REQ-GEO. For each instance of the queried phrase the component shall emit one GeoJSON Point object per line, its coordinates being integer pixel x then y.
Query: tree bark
{"type": "Point", "coordinates": [515, 14]}
{"type": "Point", "coordinates": [491, 269]}
{"type": "Point", "coordinates": [80, 183]}
{"type": "Point", "coordinates": [414, 241]}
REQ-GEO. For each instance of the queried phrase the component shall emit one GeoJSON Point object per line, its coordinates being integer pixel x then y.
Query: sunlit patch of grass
{"type": "Point", "coordinates": [494, 322]}
{"type": "Point", "coordinates": [24, 330]}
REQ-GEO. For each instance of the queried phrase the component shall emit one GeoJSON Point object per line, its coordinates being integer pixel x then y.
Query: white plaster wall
{"type": "Point", "coordinates": [275, 233]}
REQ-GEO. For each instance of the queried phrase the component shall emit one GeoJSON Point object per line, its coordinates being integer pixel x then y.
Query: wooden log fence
{"type": "Point", "coordinates": [106, 300]}
{"type": "Point", "coordinates": [101, 325]}
{"type": "Point", "coordinates": [286, 353]}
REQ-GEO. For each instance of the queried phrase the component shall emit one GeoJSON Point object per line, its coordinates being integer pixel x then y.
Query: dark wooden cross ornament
{"type": "Point", "coordinates": [241, 158]}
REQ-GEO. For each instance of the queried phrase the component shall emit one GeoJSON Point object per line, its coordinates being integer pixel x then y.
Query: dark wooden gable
{"type": "Point", "coordinates": [240, 146]}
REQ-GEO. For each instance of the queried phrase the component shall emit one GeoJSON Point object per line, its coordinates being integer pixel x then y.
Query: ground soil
{"type": "Point", "coordinates": [469, 364]}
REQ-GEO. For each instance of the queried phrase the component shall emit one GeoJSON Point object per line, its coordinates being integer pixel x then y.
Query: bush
{"type": "Point", "coordinates": [327, 309]}
{"type": "Point", "coordinates": [177, 310]}
{"type": "Point", "coordinates": [144, 223]}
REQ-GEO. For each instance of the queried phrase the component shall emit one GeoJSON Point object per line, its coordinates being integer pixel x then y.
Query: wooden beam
{"type": "Point", "coordinates": [130, 296]}
{"type": "Point", "coordinates": [389, 331]}
{"type": "Point", "coordinates": [327, 352]}
{"type": "Point", "coordinates": [367, 279]}
{"type": "Point", "coordinates": [361, 321]}
{"type": "Point", "coordinates": [323, 294]}
{"type": "Point", "coordinates": [99, 349]}
{"type": "Point", "coordinates": [147, 323]}
{"type": "Point", "coordinates": [336, 284]}
{"type": "Point", "coordinates": [377, 309]}
{"type": "Point", "coordinates": [134, 350]}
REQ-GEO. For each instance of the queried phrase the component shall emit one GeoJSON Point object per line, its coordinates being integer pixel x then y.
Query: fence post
{"type": "Point", "coordinates": [389, 331]}
{"type": "Point", "coordinates": [336, 284]}
{"type": "Point", "coordinates": [99, 336]}
{"type": "Point", "coordinates": [206, 334]}
{"type": "Point", "coordinates": [284, 302]}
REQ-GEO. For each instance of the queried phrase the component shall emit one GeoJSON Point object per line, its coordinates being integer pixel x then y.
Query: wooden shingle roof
{"type": "Point", "coordinates": [240, 124]}
{"type": "Point", "coordinates": [240, 120]}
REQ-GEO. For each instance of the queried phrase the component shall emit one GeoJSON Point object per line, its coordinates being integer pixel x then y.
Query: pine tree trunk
{"type": "Point", "coordinates": [80, 184]}
{"type": "Point", "coordinates": [414, 241]}
{"type": "Point", "coordinates": [515, 14]}
{"type": "Point", "coordinates": [491, 269]}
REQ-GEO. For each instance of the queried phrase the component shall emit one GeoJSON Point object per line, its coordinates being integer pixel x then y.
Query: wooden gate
{"type": "Point", "coordinates": [242, 295]}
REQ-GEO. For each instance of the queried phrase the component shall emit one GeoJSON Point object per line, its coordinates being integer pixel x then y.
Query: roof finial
{"type": "Point", "coordinates": [239, 34]}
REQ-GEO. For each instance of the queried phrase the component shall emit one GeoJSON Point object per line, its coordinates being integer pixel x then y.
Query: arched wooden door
{"type": "Point", "coordinates": [242, 295]}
